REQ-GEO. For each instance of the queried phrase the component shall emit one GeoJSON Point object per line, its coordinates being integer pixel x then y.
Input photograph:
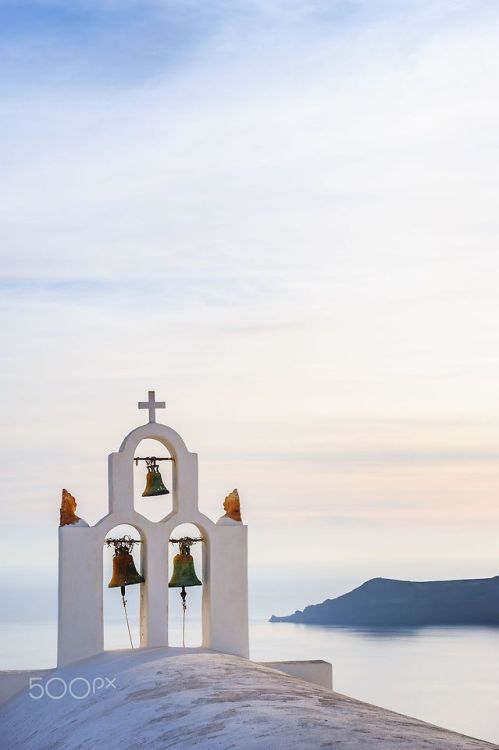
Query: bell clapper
{"type": "Point", "coordinates": [183, 594]}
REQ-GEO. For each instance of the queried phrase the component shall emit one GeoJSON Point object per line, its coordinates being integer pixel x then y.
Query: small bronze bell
{"type": "Point", "coordinates": [124, 571]}
{"type": "Point", "coordinates": [154, 482]}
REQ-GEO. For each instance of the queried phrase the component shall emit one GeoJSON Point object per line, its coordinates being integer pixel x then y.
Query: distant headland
{"type": "Point", "coordinates": [388, 602]}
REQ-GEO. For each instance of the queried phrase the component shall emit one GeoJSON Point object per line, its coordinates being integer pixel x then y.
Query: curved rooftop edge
{"type": "Point", "coordinates": [199, 699]}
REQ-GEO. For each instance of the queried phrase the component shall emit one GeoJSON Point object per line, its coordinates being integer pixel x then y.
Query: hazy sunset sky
{"type": "Point", "coordinates": [283, 216]}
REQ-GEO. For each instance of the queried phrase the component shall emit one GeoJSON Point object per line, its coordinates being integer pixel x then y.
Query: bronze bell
{"type": "Point", "coordinates": [154, 482]}
{"type": "Point", "coordinates": [183, 573]}
{"type": "Point", "coordinates": [183, 567]}
{"type": "Point", "coordinates": [124, 571]}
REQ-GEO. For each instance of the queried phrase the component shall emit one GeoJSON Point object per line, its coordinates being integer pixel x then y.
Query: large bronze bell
{"type": "Point", "coordinates": [183, 565]}
{"type": "Point", "coordinates": [154, 481]}
{"type": "Point", "coordinates": [124, 571]}
{"type": "Point", "coordinates": [183, 573]}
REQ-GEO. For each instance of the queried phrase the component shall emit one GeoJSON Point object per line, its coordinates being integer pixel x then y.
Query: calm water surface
{"type": "Point", "coordinates": [446, 676]}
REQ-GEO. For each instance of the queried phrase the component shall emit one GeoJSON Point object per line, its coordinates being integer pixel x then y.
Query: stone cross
{"type": "Point", "coordinates": [152, 405]}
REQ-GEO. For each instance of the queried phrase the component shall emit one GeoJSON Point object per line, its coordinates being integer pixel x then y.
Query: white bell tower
{"type": "Point", "coordinates": [225, 574]}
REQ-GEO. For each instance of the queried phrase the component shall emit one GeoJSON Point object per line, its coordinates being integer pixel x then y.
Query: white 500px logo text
{"type": "Point", "coordinates": [78, 688]}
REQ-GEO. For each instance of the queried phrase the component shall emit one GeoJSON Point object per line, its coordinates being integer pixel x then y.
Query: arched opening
{"type": "Point", "coordinates": [193, 615]}
{"type": "Point", "coordinates": [154, 506]}
{"type": "Point", "coordinates": [116, 634]}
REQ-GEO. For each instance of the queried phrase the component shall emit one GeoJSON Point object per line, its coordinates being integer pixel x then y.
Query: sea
{"type": "Point", "coordinates": [448, 676]}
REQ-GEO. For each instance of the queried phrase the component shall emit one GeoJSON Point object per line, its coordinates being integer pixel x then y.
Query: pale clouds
{"type": "Point", "coordinates": [292, 234]}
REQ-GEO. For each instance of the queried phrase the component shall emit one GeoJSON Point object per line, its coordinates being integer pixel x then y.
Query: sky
{"type": "Point", "coordinates": [281, 216]}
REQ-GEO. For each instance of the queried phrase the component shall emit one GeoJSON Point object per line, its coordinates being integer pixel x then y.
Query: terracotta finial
{"type": "Point", "coordinates": [232, 506]}
{"type": "Point", "coordinates": [68, 510]}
